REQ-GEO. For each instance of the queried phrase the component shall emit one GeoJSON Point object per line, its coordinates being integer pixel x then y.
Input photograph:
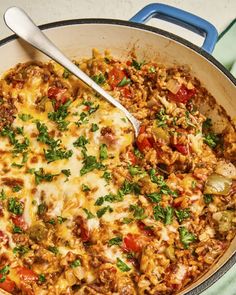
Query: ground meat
{"type": "Point", "coordinates": [20, 239]}
{"type": "Point", "coordinates": [7, 112]}
{"type": "Point", "coordinates": [11, 182]}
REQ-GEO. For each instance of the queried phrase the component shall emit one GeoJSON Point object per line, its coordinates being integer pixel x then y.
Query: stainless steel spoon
{"type": "Point", "coordinates": [21, 24]}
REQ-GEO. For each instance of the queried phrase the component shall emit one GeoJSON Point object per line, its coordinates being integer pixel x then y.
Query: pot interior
{"type": "Point", "coordinates": [77, 40]}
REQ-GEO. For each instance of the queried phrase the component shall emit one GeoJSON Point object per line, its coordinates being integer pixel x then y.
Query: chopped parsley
{"type": "Point", "coordinates": [103, 152]}
{"type": "Point", "coordinates": [17, 230]}
{"type": "Point", "coordinates": [135, 170]}
{"type": "Point", "coordinates": [208, 198]}
{"type": "Point", "coordinates": [17, 165]}
{"type": "Point", "coordinates": [115, 241]}
{"type": "Point", "coordinates": [2, 195]}
{"type": "Point", "coordinates": [18, 147]}
{"type": "Point", "coordinates": [154, 197]}
{"type": "Point", "coordinates": [159, 180]}
{"type": "Point", "coordinates": [42, 208]}
{"type": "Point", "coordinates": [66, 172]}
{"type": "Point", "coordinates": [212, 140]}
{"type": "Point", "coordinates": [99, 79]}
{"type": "Point", "coordinates": [81, 142]}
{"type": "Point", "coordinates": [163, 214]}
{"type": "Point", "coordinates": [53, 249]}
{"type": "Point", "coordinates": [169, 213]}
{"type": "Point", "coordinates": [90, 163]}
{"type": "Point", "coordinates": [99, 201]}
{"type": "Point", "coordinates": [16, 188]}
{"type": "Point", "coordinates": [21, 250]}
{"type": "Point", "coordinates": [186, 237]}
{"type": "Point", "coordinates": [137, 65]}
{"type": "Point", "coordinates": [122, 266]}
{"type": "Point", "coordinates": [41, 176]}
{"type": "Point", "coordinates": [4, 271]}
{"type": "Point", "coordinates": [107, 176]}
{"type": "Point", "coordinates": [207, 124]}
{"type": "Point", "coordinates": [42, 278]}
{"type": "Point", "coordinates": [103, 210]}
{"type": "Point", "coordinates": [59, 116]}
{"type": "Point", "coordinates": [25, 117]}
{"type": "Point", "coordinates": [138, 212]}
{"type": "Point", "coordinates": [75, 263]}
{"type": "Point", "coordinates": [44, 136]}
{"type": "Point", "coordinates": [152, 70]}
{"type": "Point", "coordinates": [85, 188]}
{"type": "Point", "coordinates": [129, 187]}
{"type": "Point", "coordinates": [66, 74]}
{"type": "Point", "coordinates": [88, 213]}
{"type": "Point", "coordinates": [61, 219]}
{"type": "Point", "coordinates": [16, 207]}
{"type": "Point", "coordinates": [127, 220]}
{"type": "Point", "coordinates": [182, 214]}
{"type": "Point", "coordinates": [161, 118]}
{"type": "Point", "coordinates": [94, 127]}
{"type": "Point", "coordinates": [52, 155]}
{"type": "Point", "coordinates": [125, 81]}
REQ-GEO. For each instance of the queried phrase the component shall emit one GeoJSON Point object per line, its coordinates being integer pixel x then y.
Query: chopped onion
{"type": "Point", "coordinates": [170, 253]}
{"type": "Point", "coordinates": [161, 133]}
{"type": "Point", "coordinates": [173, 86]}
{"type": "Point", "coordinates": [217, 184]}
{"type": "Point", "coordinates": [226, 169]}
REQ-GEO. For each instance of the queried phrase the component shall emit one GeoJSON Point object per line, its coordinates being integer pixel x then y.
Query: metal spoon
{"type": "Point", "coordinates": [21, 24]}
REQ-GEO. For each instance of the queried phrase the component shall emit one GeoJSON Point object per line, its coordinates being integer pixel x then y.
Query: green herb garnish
{"type": "Point", "coordinates": [15, 206]}
{"type": "Point", "coordinates": [88, 213]}
{"type": "Point", "coordinates": [182, 214]}
{"type": "Point", "coordinates": [99, 79]}
{"type": "Point", "coordinates": [186, 237]}
{"type": "Point", "coordinates": [122, 266]}
{"type": "Point", "coordinates": [103, 152]}
{"type": "Point", "coordinates": [75, 263]}
{"type": "Point", "coordinates": [25, 117]}
{"type": "Point", "coordinates": [81, 142]}
{"type": "Point", "coordinates": [41, 176]}
{"type": "Point", "coordinates": [94, 127]}
{"type": "Point", "coordinates": [125, 81]}
{"type": "Point", "coordinates": [208, 198]}
{"type": "Point", "coordinates": [115, 241]}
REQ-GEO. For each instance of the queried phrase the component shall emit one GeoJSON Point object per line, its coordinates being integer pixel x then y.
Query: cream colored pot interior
{"type": "Point", "coordinates": [76, 41]}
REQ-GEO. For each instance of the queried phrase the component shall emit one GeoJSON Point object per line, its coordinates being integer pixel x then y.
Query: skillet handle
{"type": "Point", "coordinates": [182, 18]}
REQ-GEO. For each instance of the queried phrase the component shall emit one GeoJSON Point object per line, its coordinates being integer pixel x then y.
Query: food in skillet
{"type": "Point", "coordinates": [86, 210]}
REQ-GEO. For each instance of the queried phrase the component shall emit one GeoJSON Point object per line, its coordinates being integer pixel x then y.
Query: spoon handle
{"type": "Point", "coordinates": [21, 24]}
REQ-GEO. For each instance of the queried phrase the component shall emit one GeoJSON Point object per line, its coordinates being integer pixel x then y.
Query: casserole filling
{"type": "Point", "coordinates": [87, 209]}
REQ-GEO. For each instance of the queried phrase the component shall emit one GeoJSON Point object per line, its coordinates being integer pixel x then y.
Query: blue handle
{"type": "Point", "coordinates": [182, 18]}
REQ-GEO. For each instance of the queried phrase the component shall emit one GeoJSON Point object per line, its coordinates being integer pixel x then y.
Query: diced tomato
{"type": "Point", "coordinates": [144, 144]}
{"type": "Point", "coordinates": [126, 92]}
{"type": "Point", "coordinates": [132, 243]}
{"type": "Point", "coordinates": [129, 63]}
{"type": "Point", "coordinates": [27, 274]}
{"type": "Point", "coordinates": [183, 149]}
{"type": "Point", "coordinates": [19, 221]}
{"type": "Point", "coordinates": [115, 76]}
{"type": "Point", "coordinates": [132, 158]}
{"type": "Point", "coordinates": [147, 230]}
{"type": "Point", "coordinates": [57, 94]}
{"type": "Point", "coordinates": [84, 232]}
{"type": "Point", "coordinates": [183, 95]}
{"type": "Point", "coordinates": [8, 285]}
